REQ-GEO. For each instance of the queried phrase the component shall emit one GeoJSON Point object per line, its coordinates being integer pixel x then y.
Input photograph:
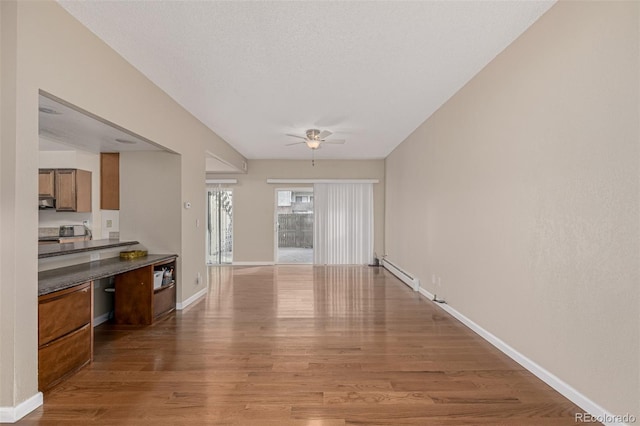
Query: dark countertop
{"type": "Point", "coordinates": [49, 238]}
{"type": "Point", "coordinates": [62, 278]}
{"type": "Point", "coordinates": [51, 250]}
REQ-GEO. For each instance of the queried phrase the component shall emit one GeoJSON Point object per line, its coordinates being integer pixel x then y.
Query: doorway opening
{"type": "Point", "coordinates": [294, 225]}
{"type": "Point", "coordinates": [219, 226]}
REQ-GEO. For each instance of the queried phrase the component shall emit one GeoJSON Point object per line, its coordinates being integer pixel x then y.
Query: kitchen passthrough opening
{"type": "Point", "coordinates": [219, 226]}
{"type": "Point", "coordinates": [294, 226]}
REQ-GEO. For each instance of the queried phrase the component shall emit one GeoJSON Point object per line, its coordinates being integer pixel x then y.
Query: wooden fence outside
{"type": "Point", "coordinates": [295, 230]}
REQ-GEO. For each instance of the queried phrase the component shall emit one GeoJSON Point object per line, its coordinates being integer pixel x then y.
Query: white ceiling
{"type": "Point", "coordinates": [370, 72]}
{"type": "Point", "coordinates": [63, 127]}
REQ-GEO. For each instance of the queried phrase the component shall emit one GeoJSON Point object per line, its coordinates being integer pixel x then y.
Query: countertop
{"type": "Point", "coordinates": [50, 238]}
{"type": "Point", "coordinates": [51, 250]}
{"type": "Point", "coordinates": [62, 278]}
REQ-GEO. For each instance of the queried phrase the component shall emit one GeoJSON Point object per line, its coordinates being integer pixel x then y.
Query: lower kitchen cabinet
{"type": "Point", "coordinates": [137, 302]}
{"type": "Point", "coordinates": [63, 357]}
{"type": "Point", "coordinates": [65, 333]}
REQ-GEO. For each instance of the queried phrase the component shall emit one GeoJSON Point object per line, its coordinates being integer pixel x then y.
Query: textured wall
{"type": "Point", "coordinates": [521, 196]}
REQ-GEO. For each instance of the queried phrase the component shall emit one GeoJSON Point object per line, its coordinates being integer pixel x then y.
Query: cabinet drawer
{"type": "Point", "coordinates": [164, 300]}
{"type": "Point", "coordinates": [63, 357]}
{"type": "Point", "coordinates": [59, 315]}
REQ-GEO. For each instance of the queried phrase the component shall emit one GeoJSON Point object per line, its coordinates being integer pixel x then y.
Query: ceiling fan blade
{"type": "Point", "coordinates": [295, 143]}
{"type": "Point", "coordinates": [296, 136]}
{"type": "Point", "coordinates": [336, 141]}
{"type": "Point", "coordinates": [324, 134]}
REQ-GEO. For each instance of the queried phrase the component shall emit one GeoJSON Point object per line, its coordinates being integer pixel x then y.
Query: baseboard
{"type": "Point", "coordinates": [182, 305]}
{"type": "Point", "coordinates": [556, 383]}
{"type": "Point", "coordinates": [13, 414]}
{"type": "Point", "coordinates": [426, 294]}
{"type": "Point", "coordinates": [101, 319]}
{"type": "Point", "coordinates": [253, 263]}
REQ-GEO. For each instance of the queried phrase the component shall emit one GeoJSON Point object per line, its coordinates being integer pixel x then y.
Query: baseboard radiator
{"type": "Point", "coordinates": [401, 274]}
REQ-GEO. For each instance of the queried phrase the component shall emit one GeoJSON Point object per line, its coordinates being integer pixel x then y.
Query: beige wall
{"type": "Point", "coordinates": [521, 194]}
{"type": "Point", "coordinates": [16, 352]}
{"type": "Point", "coordinates": [150, 209]}
{"type": "Point", "coordinates": [254, 200]}
{"type": "Point", "coordinates": [43, 47]}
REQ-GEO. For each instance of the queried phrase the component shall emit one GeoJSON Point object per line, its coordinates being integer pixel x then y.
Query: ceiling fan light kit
{"type": "Point", "coordinates": [314, 138]}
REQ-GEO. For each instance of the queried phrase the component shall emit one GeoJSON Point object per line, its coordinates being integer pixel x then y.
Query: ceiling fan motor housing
{"type": "Point", "coordinates": [312, 134]}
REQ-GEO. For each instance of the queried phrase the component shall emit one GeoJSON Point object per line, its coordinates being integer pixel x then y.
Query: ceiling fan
{"type": "Point", "coordinates": [315, 138]}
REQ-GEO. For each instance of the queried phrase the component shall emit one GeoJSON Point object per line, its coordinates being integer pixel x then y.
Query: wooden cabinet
{"type": "Point", "coordinates": [137, 302]}
{"type": "Point", "coordinates": [46, 183]}
{"type": "Point", "coordinates": [70, 187]}
{"type": "Point", "coordinates": [110, 181]}
{"type": "Point", "coordinates": [65, 333]}
{"type": "Point", "coordinates": [73, 190]}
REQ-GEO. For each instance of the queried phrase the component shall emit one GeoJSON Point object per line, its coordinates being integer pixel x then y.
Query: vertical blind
{"type": "Point", "coordinates": [343, 223]}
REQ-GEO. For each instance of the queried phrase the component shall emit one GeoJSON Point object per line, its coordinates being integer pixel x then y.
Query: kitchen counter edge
{"type": "Point", "coordinates": [62, 278]}
{"type": "Point", "coordinates": [52, 250]}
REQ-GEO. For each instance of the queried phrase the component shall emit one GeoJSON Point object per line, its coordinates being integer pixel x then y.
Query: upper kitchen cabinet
{"type": "Point", "coordinates": [46, 183]}
{"type": "Point", "coordinates": [73, 190]}
{"type": "Point", "coordinates": [110, 181]}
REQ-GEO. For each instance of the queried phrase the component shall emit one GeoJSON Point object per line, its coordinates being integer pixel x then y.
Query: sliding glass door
{"type": "Point", "coordinates": [219, 226]}
{"type": "Point", "coordinates": [294, 225]}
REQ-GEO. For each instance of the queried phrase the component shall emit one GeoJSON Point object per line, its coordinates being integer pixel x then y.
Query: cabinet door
{"type": "Point", "coordinates": [73, 190]}
{"type": "Point", "coordinates": [46, 183]}
{"type": "Point", "coordinates": [83, 191]}
{"type": "Point", "coordinates": [134, 297]}
{"type": "Point", "coordinates": [110, 181]}
{"type": "Point", "coordinates": [66, 190]}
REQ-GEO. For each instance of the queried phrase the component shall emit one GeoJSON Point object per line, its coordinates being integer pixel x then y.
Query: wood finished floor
{"type": "Point", "coordinates": [302, 345]}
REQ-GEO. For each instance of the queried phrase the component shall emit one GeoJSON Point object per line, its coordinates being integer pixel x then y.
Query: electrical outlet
{"type": "Point", "coordinates": [109, 223]}
{"type": "Point", "coordinates": [197, 223]}
{"type": "Point", "coordinates": [198, 278]}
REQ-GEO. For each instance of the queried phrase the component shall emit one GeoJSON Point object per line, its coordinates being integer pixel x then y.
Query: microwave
{"type": "Point", "coordinates": [72, 231]}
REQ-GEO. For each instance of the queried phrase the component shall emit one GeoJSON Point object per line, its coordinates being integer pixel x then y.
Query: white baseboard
{"type": "Point", "coordinates": [13, 414]}
{"type": "Point", "coordinates": [101, 319]}
{"type": "Point", "coordinates": [426, 294]}
{"type": "Point", "coordinates": [253, 263]}
{"type": "Point", "coordinates": [182, 305]}
{"type": "Point", "coordinates": [556, 383]}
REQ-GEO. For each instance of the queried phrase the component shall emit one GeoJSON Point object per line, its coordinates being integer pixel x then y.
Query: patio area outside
{"type": "Point", "coordinates": [295, 255]}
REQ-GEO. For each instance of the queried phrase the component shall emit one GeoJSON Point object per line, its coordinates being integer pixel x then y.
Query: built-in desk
{"type": "Point", "coordinates": [68, 276]}
{"type": "Point", "coordinates": [65, 308]}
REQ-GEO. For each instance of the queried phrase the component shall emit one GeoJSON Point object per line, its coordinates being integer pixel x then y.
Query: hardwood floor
{"type": "Point", "coordinates": [302, 345]}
